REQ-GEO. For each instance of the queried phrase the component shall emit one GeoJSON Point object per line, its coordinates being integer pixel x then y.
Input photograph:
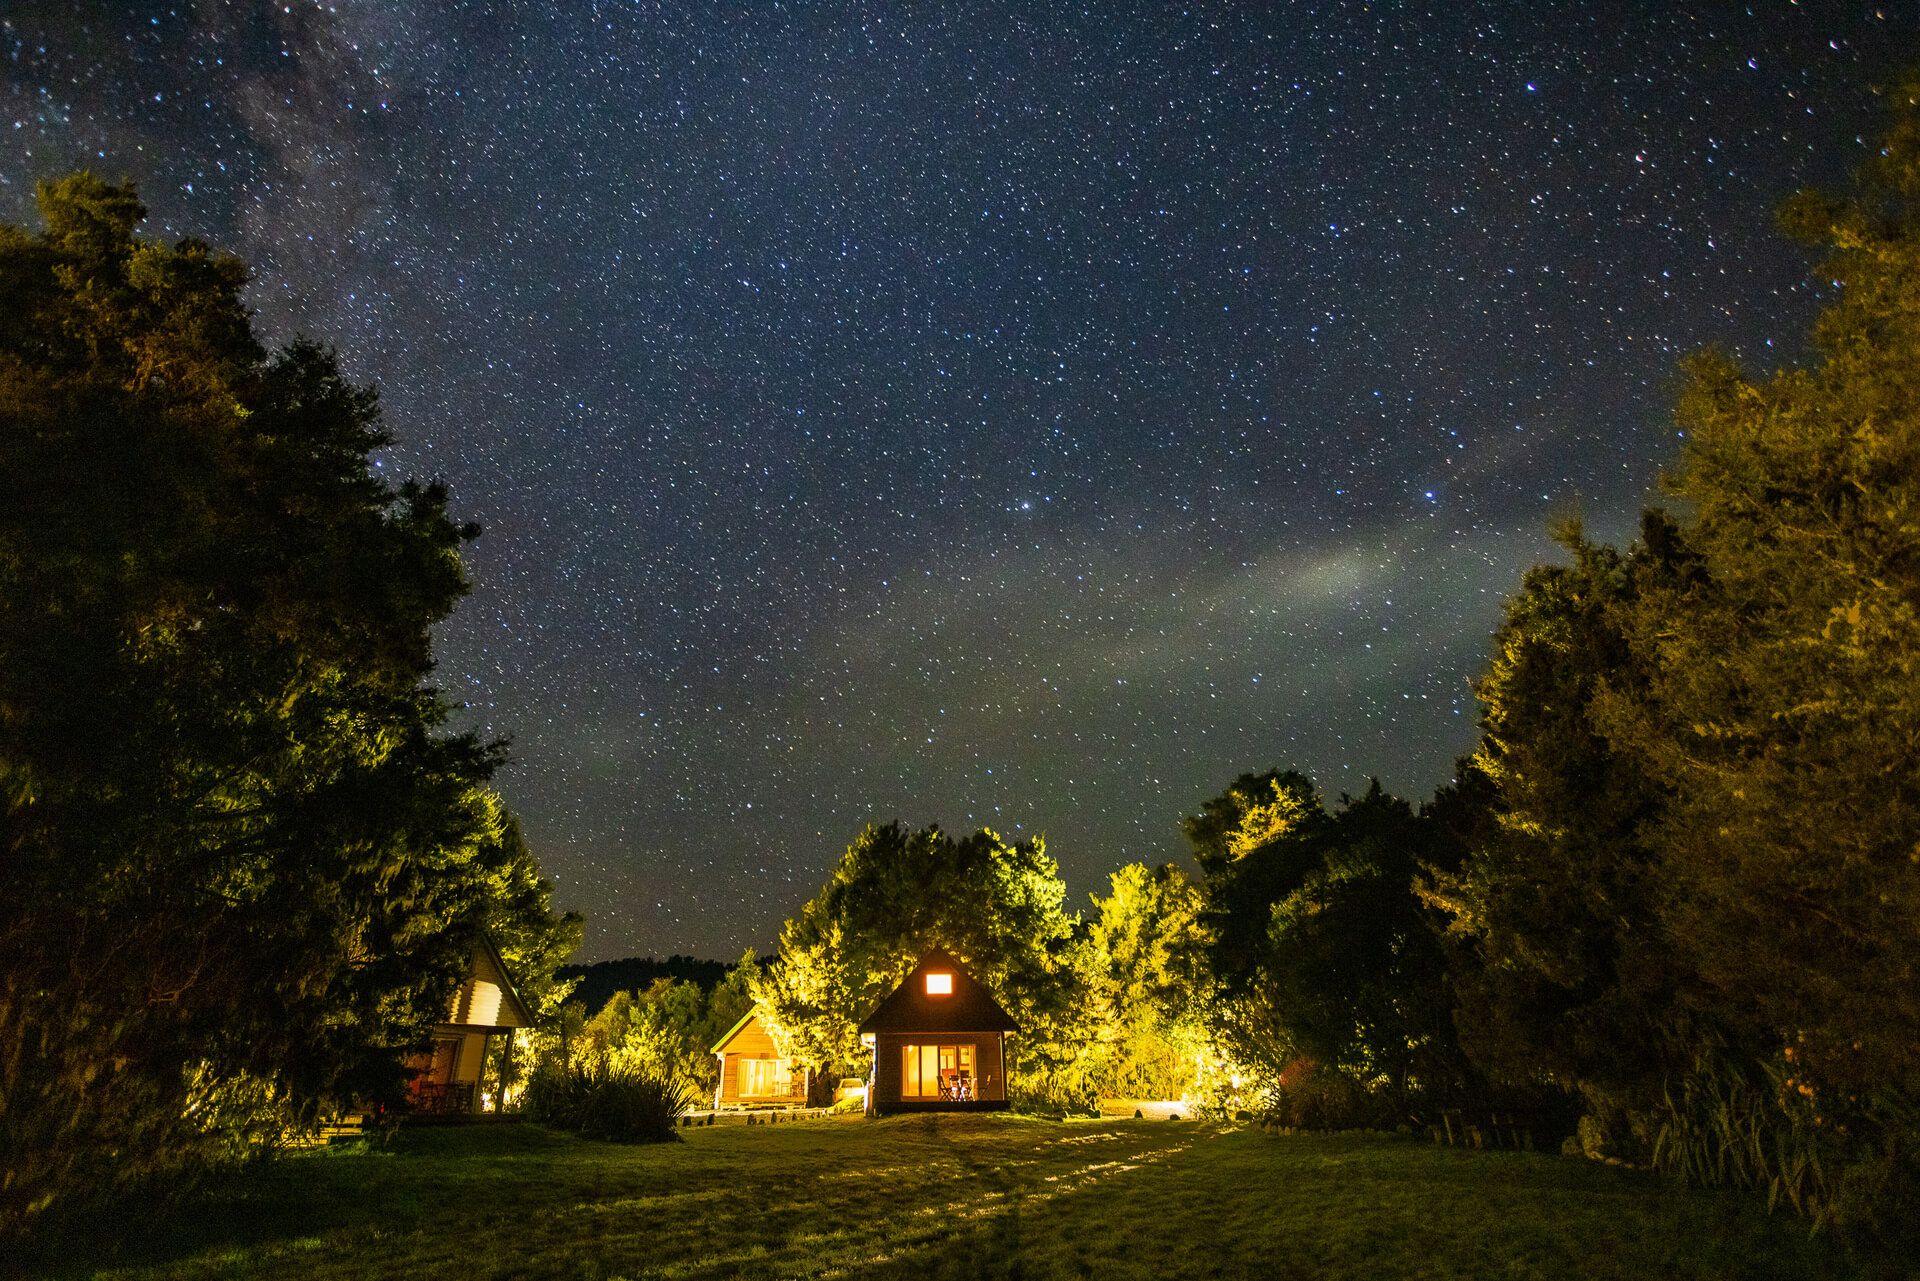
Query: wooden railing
{"type": "Point", "coordinates": [441, 1098]}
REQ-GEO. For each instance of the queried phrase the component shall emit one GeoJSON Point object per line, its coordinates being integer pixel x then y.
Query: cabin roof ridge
{"type": "Point", "coordinates": [912, 1007]}
{"type": "Point", "coordinates": [730, 1033]}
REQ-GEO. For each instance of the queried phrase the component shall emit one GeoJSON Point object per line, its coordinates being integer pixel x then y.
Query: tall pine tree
{"type": "Point", "coordinates": [1705, 896]}
{"type": "Point", "coordinates": [238, 856]}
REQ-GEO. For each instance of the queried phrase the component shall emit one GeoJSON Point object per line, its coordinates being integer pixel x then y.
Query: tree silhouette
{"type": "Point", "coordinates": [241, 859]}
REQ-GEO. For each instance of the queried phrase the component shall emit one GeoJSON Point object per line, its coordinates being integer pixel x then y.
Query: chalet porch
{"type": "Point", "coordinates": [448, 1079]}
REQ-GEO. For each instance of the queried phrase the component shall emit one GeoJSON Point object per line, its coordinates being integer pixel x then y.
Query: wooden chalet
{"type": "Point", "coordinates": [938, 1043]}
{"type": "Point", "coordinates": [752, 1073]}
{"type": "Point", "coordinates": [448, 1078]}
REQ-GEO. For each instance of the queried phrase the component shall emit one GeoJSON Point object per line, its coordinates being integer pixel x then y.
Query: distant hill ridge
{"type": "Point", "coordinates": [599, 981]}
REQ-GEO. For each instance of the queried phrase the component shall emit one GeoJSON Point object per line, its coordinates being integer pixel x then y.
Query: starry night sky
{"type": "Point", "coordinates": [1017, 415]}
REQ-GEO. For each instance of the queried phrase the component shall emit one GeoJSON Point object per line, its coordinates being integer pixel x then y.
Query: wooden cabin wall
{"type": "Point", "coordinates": [798, 1080]}
{"type": "Point", "coordinates": [751, 1040]}
{"type": "Point", "coordinates": [991, 1067]}
{"type": "Point", "coordinates": [886, 1074]}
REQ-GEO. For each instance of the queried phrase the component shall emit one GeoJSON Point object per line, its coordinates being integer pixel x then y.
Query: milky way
{"type": "Point", "coordinates": [1024, 416]}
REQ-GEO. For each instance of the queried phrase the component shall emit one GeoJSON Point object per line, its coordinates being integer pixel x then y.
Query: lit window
{"type": "Point", "coordinates": [937, 1072]}
{"type": "Point", "coordinates": [765, 1078]}
{"type": "Point", "coordinates": [939, 985]}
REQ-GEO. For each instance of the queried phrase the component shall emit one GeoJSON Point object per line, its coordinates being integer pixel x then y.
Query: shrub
{"type": "Point", "coordinates": [1847, 1160]}
{"type": "Point", "coordinates": [1054, 1098]}
{"type": "Point", "coordinates": [607, 1102]}
{"type": "Point", "coordinates": [1312, 1096]}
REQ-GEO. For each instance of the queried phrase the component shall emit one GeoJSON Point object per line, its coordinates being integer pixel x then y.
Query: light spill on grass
{"type": "Point", "coordinates": [933, 1197]}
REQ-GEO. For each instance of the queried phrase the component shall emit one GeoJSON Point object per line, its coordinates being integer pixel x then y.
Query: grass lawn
{"type": "Point", "coordinates": [949, 1196]}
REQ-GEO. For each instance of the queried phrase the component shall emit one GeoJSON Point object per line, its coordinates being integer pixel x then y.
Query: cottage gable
{"type": "Point", "coordinates": [488, 999]}
{"type": "Point", "coordinates": [919, 1004]}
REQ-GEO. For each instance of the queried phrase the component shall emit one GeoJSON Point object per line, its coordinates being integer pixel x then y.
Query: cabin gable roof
{"type": "Point", "coordinates": [720, 1046]}
{"type": "Point", "coordinates": [911, 1008]}
{"type": "Point", "coordinates": [488, 998]}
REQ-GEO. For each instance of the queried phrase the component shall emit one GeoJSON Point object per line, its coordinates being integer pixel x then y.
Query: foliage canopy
{"type": "Point", "coordinates": [1702, 900]}
{"type": "Point", "coordinates": [1145, 985]}
{"type": "Point", "coordinates": [241, 858]}
{"type": "Point", "coordinates": [898, 893]}
{"type": "Point", "coordinates": [1319, 951]}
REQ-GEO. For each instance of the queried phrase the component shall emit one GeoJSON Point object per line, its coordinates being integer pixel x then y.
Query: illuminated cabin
{"type": "Point", "coordinates": [448, 1079]}
{"type": "Point", "coordinates": [752, 1073]}
{"type": "Point", "coordinates": [938, 1043]}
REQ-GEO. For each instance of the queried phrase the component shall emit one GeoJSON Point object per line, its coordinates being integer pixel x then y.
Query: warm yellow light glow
{"type": "Point", "coordinates": [765, 1078]}
{"type": "Point", "coordinates": [937, 1072]}
{"type": "Point", "coordinates": [939, 985]}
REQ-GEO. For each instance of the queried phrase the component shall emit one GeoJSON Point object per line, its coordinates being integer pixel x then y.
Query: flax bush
{"type": "Point", "coordinates": [608, 1101]}
{"type": "Point", "coordinates": [1843, 1159]}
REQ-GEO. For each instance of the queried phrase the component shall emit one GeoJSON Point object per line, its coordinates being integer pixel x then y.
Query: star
{"type": "Point", "coordinates": [1125, 401]}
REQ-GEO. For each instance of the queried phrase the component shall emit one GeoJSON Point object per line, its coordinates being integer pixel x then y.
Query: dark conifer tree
{"type": "Point", "coordinates": [239, 859]}
{"type": "Point", "coordinates": [1704, 897]}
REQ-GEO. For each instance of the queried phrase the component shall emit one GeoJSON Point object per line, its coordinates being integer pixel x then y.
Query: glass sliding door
{"type": "Point", "coordinates": [919, 1072]}
{"type": "Point", "coordinates": [937, 1072]}
{"type": "Point", "coordinates": [930, 1071]}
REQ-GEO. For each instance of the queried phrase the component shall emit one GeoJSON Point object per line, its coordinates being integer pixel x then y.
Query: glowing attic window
{"type": "Point", "coordinates": [939, 985]}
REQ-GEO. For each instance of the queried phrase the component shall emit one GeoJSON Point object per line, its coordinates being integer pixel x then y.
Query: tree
{"type": "Point", "coordinates": [1256, 843]}
{"type": "Point", "coordinates": [534, 943]}
{"type": "Point", "coordinates": [649, 1032]}
{"type": "Point", "coordinates": [238, 846]}
{"type": "Point", "coordinates": [1708, 873]}
{"type": "Point", "coordinates": [1781, 703]}
{"type": "Point", "coordinates": [668, 1030]}
{"type": "Point", "coordinates": [1359, 969]}
{"type": "Point", "coordinates": [1563, 969]}
{"type": "Point", "coordinates": [728, 1001]}
{"type": "Point", "coordinates": [899, 893]}
{"type": "Point", "coordinates": [1145, 984]}
{"type": "Point", "coordinates": [1321, 954]}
